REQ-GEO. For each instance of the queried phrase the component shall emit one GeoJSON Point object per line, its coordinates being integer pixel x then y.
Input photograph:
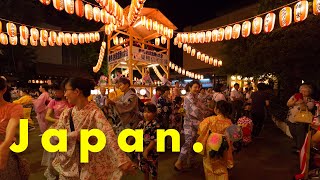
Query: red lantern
{"type": "Point", "coordinates": [214, 35]}
{"type": "Point", "coordinates": [246, 29]}
{"type": "Point", "coordinates": [236, 31]}
{"type": "Point", "coordinates": [228, 33]}
{"type": "Point", "coordinates": [88, 11]}
{"type": "Point", "coordinates": [257, 25]}
{"type": "Point", "coordinates": [11, 29]}
{"type": "Point", "coordinates": [34, 33]}
{"type": "Point", "coordinates": [96, 14]}
{"type": "Point", "coordinates": [24, 32]}
{"type": "Point", "coordinates": [3, 39]}
{"type": "Point", "coordinates": [316, 7]}
{"type": "Point", "coordinates": [45, 2]}
{"type": "Point", "coordinates": [79, 8]}
{"type": "Point", "coordinates": [269, 21]}
{"type": "Point", "coordinates": [44, 35]}
{"type": "Point", "coordinates": [58, 4]}
{"type": "Point", "coordinates": [301, 11]}
{"type": "Point", "coordinates": [75, 39]}
{"type": "Point", "coordinates": [81, 38]}
{"type": "Point", "coordinates": [285, 16]}
{"type": "Point", "coordinates": [221, 34]}
{"type": "Point", "coordinates": [69, 6]}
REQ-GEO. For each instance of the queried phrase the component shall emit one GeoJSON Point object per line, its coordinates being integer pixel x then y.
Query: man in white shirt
{"type": "Point", "coordinates": [237, 102]}
{"type": "Point", "coordinates": [235, 93]}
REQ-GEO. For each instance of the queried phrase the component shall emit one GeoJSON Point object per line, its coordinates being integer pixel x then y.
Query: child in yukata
{"type": "Point", "coordinates": [246, 124]}
{"type": "Point", "coordinates": [148, 159]}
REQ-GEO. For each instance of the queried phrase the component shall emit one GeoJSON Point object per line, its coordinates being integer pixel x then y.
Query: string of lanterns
{"type": "Point", "coordinates": [184, 72]}
{"type": "Point", "coordinates": [201, 56]}
{"type": "Point", "coordinates": [156, 26]}
{"type": "Point", "coordinates": [234, 30]}
{"type": "Point", "coordinates": [110, 12]}
{"type": "Point", "coordinates": [134, 11]}
{"type": "Point", "coordinates": [97, 67]}
{"type": "Point", "coordinates": [44, 36]}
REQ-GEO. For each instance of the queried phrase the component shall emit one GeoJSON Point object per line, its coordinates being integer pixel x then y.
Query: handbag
{"type": "Point", "coordinates": [303, 117]}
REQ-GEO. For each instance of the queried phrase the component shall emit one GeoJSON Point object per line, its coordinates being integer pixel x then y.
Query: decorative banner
{"type": "Point", "coordinates": [269, 21]}
{"type": "Point", "coordinates": [316, 7]}
{"type": "Point", "coordinates": [285, 16]}
{"type": "Point", "coordinates": [246, 29]}
{"type": "Point", "coordinates": [257, 25]}
{"type": "Point", "coordinates": [118, 56]}
{"type": "Point", "coordinates": [149, 56]}
{"type": "Point", "coordinates": [300, 11]}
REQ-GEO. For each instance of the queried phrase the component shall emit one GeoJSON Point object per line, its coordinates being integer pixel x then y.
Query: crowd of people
{"type": "Point", "coordinates": [222, 121]}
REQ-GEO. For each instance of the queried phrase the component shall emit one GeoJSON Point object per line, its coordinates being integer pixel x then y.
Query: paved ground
{"type": "Point", "coordinates": [267, 158]}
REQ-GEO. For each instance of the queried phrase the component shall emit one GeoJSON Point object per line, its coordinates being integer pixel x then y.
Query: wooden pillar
{"type": "Point", "coordinates": [108, 53]}
{"type": "Point", "coordinates": [130, 60]}
{"type": "Point", "coordinates": [168, 53]}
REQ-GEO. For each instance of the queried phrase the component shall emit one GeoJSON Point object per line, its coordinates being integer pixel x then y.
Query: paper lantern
{"type": "Point", "coordinates": [180, 45]}
{"type": "Point", "coordinates": [208, 36]}
{"type": "Point", "coordinates": [59, 41]}
{"type": "Point", "coordinates": [69, 6]}
{"type": "Point", "coordinates": [67, 39]}
{"type": "Point", "coordinates": [88, 12]}
{"type": "Point", "coordinates": [33, 42]}
{"type": "Point", "coordinates": [176, 68]}
{"type": "Point", "coordinates": [215, 62]}
{"type": "Point", "coordinates": [79, 8]}
{"type": "Point", "coordinates": [185, 47]}
{"type": "Point", "coordinates": [193, 52]}
{"type": "Point", "coordinates": [23, 41]}
{"type": "Point", "coordinates": [51, 43]}
{"type": "Point", "coordinates": [81, 38]}
{"type": "Point", "coordinates": [13, 40]}
{"type": "Point", "coordinates": [45, 2]}
{"type": "Point", "coordinates": [115, 40]}
{"type": "Point", "coordinates": [300, 11]}
{"type": "Point", "coordinates": [220, 34]}
{"type": "Point", "coordinates": [165, 30]}
{"type": "Point", "coordinates": [34, 33]}
{"type": "Point", "coordinates": [214, 35]}
{"type": "Point", "coordinates": [179, 70]}
{"type": "Point", "coordinates": [149, 24]}
{"type": "Point", "coordinates": [58, 4]}
{"type": "Point", "coordinates": [157, 41]}
{"type": "Point", "coordinates": [236, 31]}
{"type": "Point", "coordinates": [316, 7]}
{"type": "Point", "coordinates": [103, 16]}
{"type": "Point", "coordinates": [92, 37]}
{"type": "Point", "coordinates": [3, 39]}
{"type": "Point", "coordinates": [170, 33]}
{"type": "Point", "coordinates": [257, 25]}
{"type": "Point", "coordinates": [206, 59]}
{"type": "Point", "coordinates": [0, 27]}
{"type": "Point", "coordinates": [198, 55]}
{"type": "Point", "coordinates": [163, 40]}
{"type": "Point", "coordinates": [189, 49]}
{"type": "Point", "coordinates": [210, 60]}
{"type": "Point", "coordinates": [44, 35]}
{"type": "Point", "coordinates": [228, 33]}
{"type": "Point", "coordinates": [43, 43]}
{"type": "Point", "coordinates": [24, 32]}
{"type": "Point", "coordinates": [155, 25]}
{"type": "Point", "coordinates": [172, 65]}
{"type": "Point", "coordinates": [285, 16]}
{"type": "Point", "coordinates": [246, 29]}
{"type": "Point", "coordinates": [87, 37]}
{"type": "Point", "coordinates": [97, 36]}
{"type": "Point", "coordinates": [202, 57]}
{"type": "Point", "coordinates": [53, 36]}
{"type": "Point", "coordinates": [96, 14]}
{"type": "Point", "coordinates": [183, 72]}
{"type": "Point", "coordinates": [219, 63]}
{"type": "Point", "coordinates": [11, 29]}
{"type": "Point", "coordinates": [269, 21]}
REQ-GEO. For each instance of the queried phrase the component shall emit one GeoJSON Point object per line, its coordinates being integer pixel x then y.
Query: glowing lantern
{"type": "Point", "coordinates": [180, 45]}
{"type": "Point", "coordinates": [58, 4]}
{"type": "Point", "coordinates": [228, 33]}
{"type": "Point", "coordinates": [221, 34]}
{"type": "Point", "coordinates": [155, 25]}
{"type": "Point", "coordinates": [115, 40]}
{"type": "Point", "coordinates": [193, 52]}
{"type": "Point", "coordinates": [165, 30]}
{"type": "Point", "coordinates": [246, 29]}
{"type": "Point", "coordinates": [96, 14]}
{"type": "Point", "coordinates": [170, 33]}
{"type": "Point", "coordinates": [11, 29]}
{"type": "Point", "coordinates": [257, 25]}
{"type": "Point", "coordinates": [206, 59]}
{"type": "Point", "coordinates": [43, 43]}
{"type": "Point", "coordinates": [149, 24]}
{"type": "Point", "coordinates": [103, 16]}
{"type": "Point", "coordinates": [160, 26]}
{"type": "Point", "coordinates": [23, 41]}
{"type": "Point", "coordinates": [24, 32]}
{"type": "Point", "coordinates": [202, 37]}
{"type": "Point", "coordinates": [269, 21]}
{"type": "Point", "coordinates": [214, 35]}
{"type": "Point", "coordinates": [316, 7]}
{"type": "Point", "coordinates": [67, 39]}
{"type": "Point", "coordinates": [13, 40]}
{"type": "Point", "coordinates": [215, 62]}
{"type": "Point", "coordinates": [198, 55]}
{"type": "Point", "coordinates": [202, 57]}
{"type": "Point", "coordinates": [45, 2]}
{"type": "Point", "coordinates": [219, 63]}
{"type": "Point", "coordinates": [163, 39]}
{"type": "Point", "coordinates": [236, 31]}
{"type": "Point", "coordinates": [285, 16]}
{"type": "Point", "coordinates": [44, 35]}
{"type": "Point", "coordinates": [87, 37]}
{"type": "Point", "coordinates": [92, 37]}
{"type": "Point", "coordinates": [172, 66]}
{"type": "Point", "coordinates": [185, 47]}
{"type": "Point", "coordinates": [300, 11]}
{"type": "Point", "coordinates": [53, 36]}
{"type": "Point", "coordinates": [157, 41]}
{"type": "Point", "coordinates": [3, 39]}
{"type": "Point", "coordinates": [75, 39]}
{"type": "Point", "coordinates": [88, 12]}
{"type": "Point", "coordinates": [96, 36]}
{"type": "Point", "coordinates": [0, 27]}
{"type": "Point", "coordinates": [59, 41]}
{"type": "Point", "coordinates": [79, 8]}
{"type": "Point", "coordinates": [51, 43]}
{"type": "Point", "coordinates": [176, 68]}
{"type": "Point", "coordinates": [210, 60]}
{"type": "Point", "coordinates": [33, 42]}
{"type": "Point", "coordinates": [81, 38]}
{"type": "Point", "coordinates": [69, 6]}
{"type": "Point", "coordinates": [34, 33]}
{"type": "Point", "coordinates": [179, 70]}
{"type": "Point", "coordinates": [189, 49]}
{"type": "Point", "coordinates": [208, 36]}
{"type": "Point", "coordinates": [183, 71]}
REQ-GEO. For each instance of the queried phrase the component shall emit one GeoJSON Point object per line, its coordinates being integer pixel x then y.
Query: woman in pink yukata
{"type": "Point", "coordinates": [40, 107]}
